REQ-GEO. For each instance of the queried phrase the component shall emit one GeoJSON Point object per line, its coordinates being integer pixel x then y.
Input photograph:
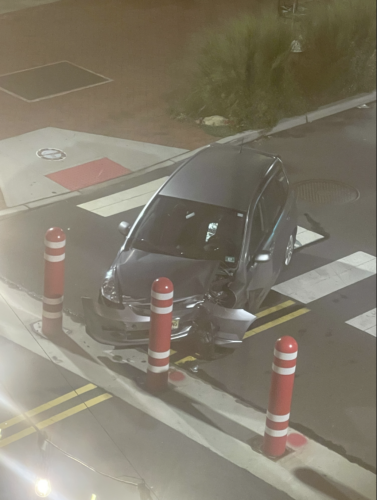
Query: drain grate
{"type": "Point", "coordinates": [326, 192]}
{"type": "Point", "coordinates": [50, 80]}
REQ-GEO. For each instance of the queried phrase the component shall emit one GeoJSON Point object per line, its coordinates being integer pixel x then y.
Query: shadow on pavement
{"type": "Point", "coordinates": [329, 487]}
{"type": "Point", "coordinates": [174, 399]}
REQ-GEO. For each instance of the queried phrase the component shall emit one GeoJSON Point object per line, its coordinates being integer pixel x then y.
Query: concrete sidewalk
{"type": "Point", "coordinates": [216, 422]}
{"type": "Point", "coordinates": [68, 162]}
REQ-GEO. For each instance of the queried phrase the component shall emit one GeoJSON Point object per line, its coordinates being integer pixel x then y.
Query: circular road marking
{"type": "Point", "coordinates": [51, 154]}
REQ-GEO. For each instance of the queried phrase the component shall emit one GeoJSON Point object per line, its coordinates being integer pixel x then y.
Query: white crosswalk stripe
{"type": "Point", "coordinates": [365, 322]}
{"type": "Point", "coordinates": [329, 278]}
{"type": "Point", "coordinates": [124, 200]}
{"type": "Point", "coordinates": [305, 237]}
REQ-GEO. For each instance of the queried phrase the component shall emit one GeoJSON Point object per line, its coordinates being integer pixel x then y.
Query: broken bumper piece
{"type": "Point", "coordinates": [231, 324]}
{"type": "Point", "coordinates": [120, 328]}
{"type": "Point", "coordinates": [123, 327]}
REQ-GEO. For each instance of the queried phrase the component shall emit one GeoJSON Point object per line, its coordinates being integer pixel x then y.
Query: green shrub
{"type": "Point", "coordinates": [340, 44]}
{"type": "Point", "coordinates": [247, 72]}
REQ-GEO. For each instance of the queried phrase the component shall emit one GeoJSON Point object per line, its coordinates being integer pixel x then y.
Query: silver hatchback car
{"type": "Point", "coordinates": [221, 228]}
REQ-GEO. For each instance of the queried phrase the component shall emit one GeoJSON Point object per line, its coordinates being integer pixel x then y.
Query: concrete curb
{"type": "Point", "coordinates": [288, 123]}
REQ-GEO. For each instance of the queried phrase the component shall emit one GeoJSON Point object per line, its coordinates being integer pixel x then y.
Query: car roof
{"type": "Point", "coordinates": [224, 175]}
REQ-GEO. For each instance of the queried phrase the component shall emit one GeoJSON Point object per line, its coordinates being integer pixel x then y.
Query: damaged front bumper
{"type": "Point", "coordinates": [123, 327]}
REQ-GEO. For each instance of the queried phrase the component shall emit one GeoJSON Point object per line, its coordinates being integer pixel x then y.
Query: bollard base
{"type": "Point", "coordinates": [37, 328]}
{"type": "Point", "coordinates": [257, 445]}
{"type": "Point", "coordinates": [142, 383]}
{"type": "Point", "coordinates": [157, 382]}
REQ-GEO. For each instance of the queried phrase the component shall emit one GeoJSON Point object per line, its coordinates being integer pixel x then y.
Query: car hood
{"type": "Point", "coordinates": [136, 271]}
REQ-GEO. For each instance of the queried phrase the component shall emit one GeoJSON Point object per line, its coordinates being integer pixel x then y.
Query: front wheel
{"type": "Point", "coordinates": [289, 249]}
{"type": "Point", "coordinates": [204, 340]}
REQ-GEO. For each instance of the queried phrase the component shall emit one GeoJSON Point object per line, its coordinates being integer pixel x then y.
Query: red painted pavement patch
{"type": "Point", "coordinates": [176, 376]}
{"type": "Point", "coordinates": [88, 174]}
{"type": "Point", "coordinates": [296, 440]}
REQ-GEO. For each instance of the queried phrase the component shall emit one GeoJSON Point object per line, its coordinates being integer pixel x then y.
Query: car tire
{"type": "Point", "coordinates": [289, 249]}
{"type": "Point", "coordinates": [204, 342]}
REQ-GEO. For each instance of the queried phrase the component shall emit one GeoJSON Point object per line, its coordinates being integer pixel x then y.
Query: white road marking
{"type": "Point", "coordinates": [124, 200]}
{"type": "Point", "coordinates": [21, 4]}
{"type": "Point", "coordinates": [329, 278]}
{"type": "Point", "coordinates": [365, 322]}
{"type": "Point", "coordinates": [212, 403]}
{"type": "Point", "coordinates": [305, 237]}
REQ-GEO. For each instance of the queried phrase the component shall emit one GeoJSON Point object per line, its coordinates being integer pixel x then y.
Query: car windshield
{"type": "Point", "coordinates": [189, 229]}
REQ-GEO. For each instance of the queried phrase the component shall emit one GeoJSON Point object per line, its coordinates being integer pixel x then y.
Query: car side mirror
{"type": "Point", "coordinates": [124, 228]}
{"type": "Point", "coordinates": [262, 257]}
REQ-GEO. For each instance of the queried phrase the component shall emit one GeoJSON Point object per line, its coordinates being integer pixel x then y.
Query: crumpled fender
{"type": "Point", "coordinates": [231, 324]}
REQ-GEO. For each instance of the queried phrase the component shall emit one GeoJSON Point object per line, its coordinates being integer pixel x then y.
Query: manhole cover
{"type": "Point", "coordinates": [51, 154]}
{"type": "Point", "coordinates": [326, 192]}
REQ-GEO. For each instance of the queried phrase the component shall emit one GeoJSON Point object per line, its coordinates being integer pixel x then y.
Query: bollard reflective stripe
{"type": "Point", "coordinates": [162, 296]}
{"type": "Point", "coordinates": [52, 302]}
{"type": "Point", "coordinates": [286, 356]}
{"type": "Point", "coordinates": [161, 310]}
{"type": "Point", "coordinates": [158, 369]}
{"type": "Point", "coordinates": [54, 244]}
{"type": "Point", "coordinates": [53, 296]}
{"type": "Point", "coordinates": [277, 418]}
{"type": "Point", "coordinates": [274, 433]}
{"type": "Point", "coordinates": [54, 258]}
{"type": "Point", "coordinates": [279, 406]}
{"type": "Point", "coordinates": [158, 355]}
{"type": "Point", "coordinates": [160, 335]}
{"type": "Point", "coordinates": [283, 371]}
{"type": "Point", "coordinates": [52, 315]}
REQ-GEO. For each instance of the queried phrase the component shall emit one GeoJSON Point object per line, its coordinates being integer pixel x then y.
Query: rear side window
{"type": "Point", "coordinates": [274, 198]}
{"type": "Point", "coordinates": [258, 231]}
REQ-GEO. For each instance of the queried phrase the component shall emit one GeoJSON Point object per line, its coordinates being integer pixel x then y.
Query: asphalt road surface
{"type": "Point", "coordinates": [334, 397]}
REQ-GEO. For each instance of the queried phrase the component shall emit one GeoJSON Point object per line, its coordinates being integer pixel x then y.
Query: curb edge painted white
{"type": "Point", "coordinates": [8, 212]}
{"type": "Point", "coordinates": [288, 123]}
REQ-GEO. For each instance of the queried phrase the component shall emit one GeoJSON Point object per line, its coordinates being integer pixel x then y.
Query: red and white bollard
{"type": "Point", "coordinates": [160, 334]}
{"type": "Point", "coordinates": [279, 406]}
{"type": "Point", "coordinates": [52, 316]}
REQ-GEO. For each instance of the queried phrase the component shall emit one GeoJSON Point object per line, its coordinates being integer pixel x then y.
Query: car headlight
{"type": "Point", "coordinates": [108, 289]}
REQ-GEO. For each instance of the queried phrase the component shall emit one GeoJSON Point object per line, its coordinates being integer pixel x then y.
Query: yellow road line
{"type": "Point", "coordinates": [172, 352]}
{"type": "Point", "coordinates": [185, 360]}
{"type": "Point", "coordinates": [73, 411]}
{"type": "Point", "coordinates": [16, 437]}
{"type": "Point", "coordinates": [47, 406]}
{"type": "Point", "coordinates": [275, 308]}
{"type": "Point", "coordinates": [54, 419]}
{"type": "Point", "coordinates": [276, 322]}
